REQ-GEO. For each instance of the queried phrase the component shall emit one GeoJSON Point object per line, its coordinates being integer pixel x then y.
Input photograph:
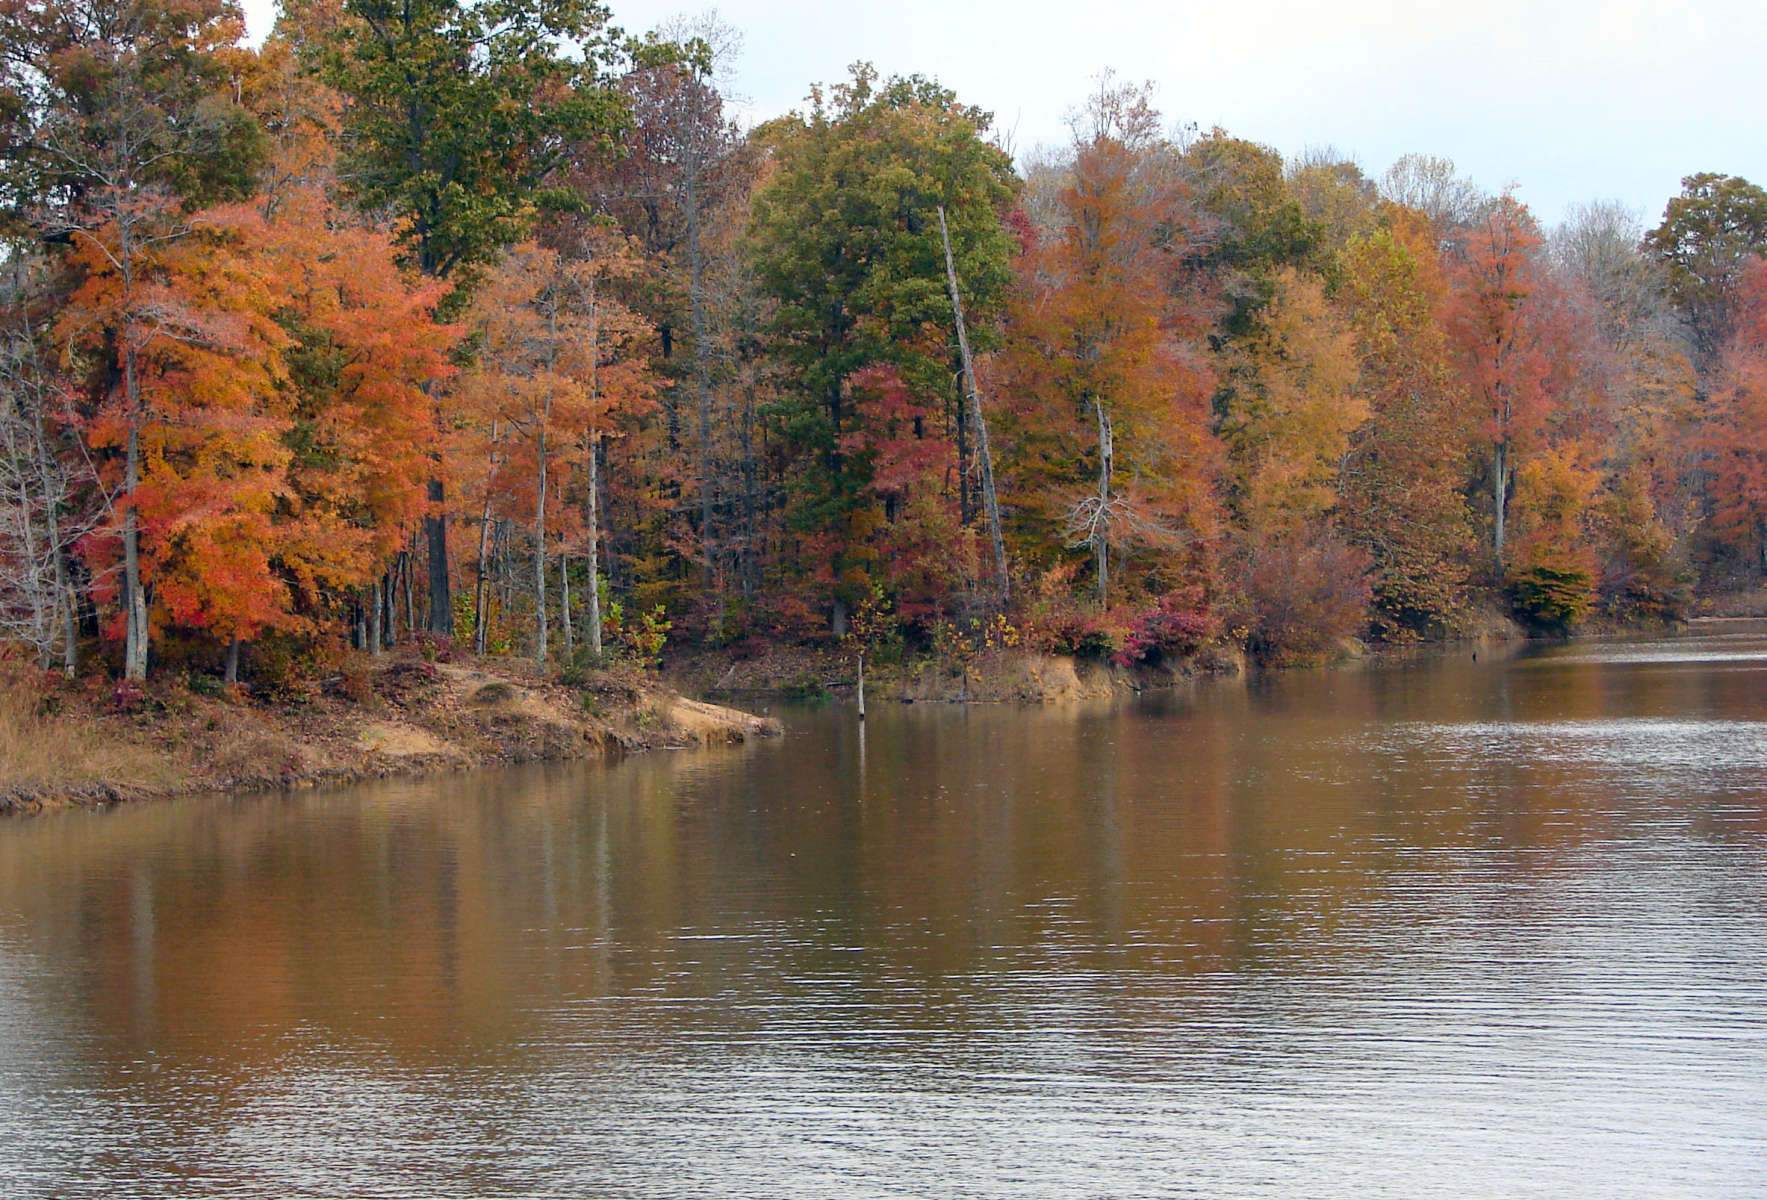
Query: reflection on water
{"type": "Point", "coordinates": [1462, 928]}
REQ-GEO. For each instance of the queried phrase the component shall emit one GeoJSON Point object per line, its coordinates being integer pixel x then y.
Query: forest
{"type": "Point", "coordinates": [485, 322]}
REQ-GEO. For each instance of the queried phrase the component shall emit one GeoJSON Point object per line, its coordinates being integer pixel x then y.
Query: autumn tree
{"type": "Point", "coordinates": [1736, 434]}
{"type": "Point", "coordinates": [1499, 323]}
{"type": "Point", "coordinates": [1294, 405]}
{"type": "Point", "coordinates": [1637, 389]}
{"type": "Point", "coordinates": [1709, 235]}
{"type": "Point", "coordinates": [367, 351]}
{"type": "Point", "coordinates": [1247, 224]}
{"type": "Point", "coordinates": [683, 162]}
{"type": "Point", "coordinates": [458, 118]}
{"type": "Point", "coordinates": [1108, 379]}
{"type": "Point", "coordinates": [204, 452]}
{"type": "Point", "coordinates": [847, 244]}
{"type": "Point", "coordinates": [558, 372]}
{"type": "Point", "coordinates": [117, 122]}
{"type": "Point", "coordinates": [1401, 479]}
{"type": "Point", "coordinates": [1334, 195]}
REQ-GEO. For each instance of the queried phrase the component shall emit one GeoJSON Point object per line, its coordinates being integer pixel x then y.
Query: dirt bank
{"type": "Point", "coordinates": [63, 744]}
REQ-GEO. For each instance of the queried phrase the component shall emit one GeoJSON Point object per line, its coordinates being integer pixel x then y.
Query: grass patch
{"type": "Point", "coordinates": [49, 755]}
{"type": "Point", "coordinates": [492, 694]}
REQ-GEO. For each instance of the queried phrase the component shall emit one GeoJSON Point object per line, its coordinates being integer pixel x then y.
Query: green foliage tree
{"type": "Point", "coordinates": [846, 242]}
{"type": "Point", "coordinates": [459, 116]}
{"type": "Point", "coordinates": [1253, 223]}
{"type": "Point", "coordinates": [1709, 234]}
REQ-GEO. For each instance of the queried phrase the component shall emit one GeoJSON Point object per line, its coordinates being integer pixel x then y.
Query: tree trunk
{"type": "Point", "coordinates": [702, 378]}
{"type": "Point", "coordinates": [540, 539]}
{"type": "Point", "coordinates": [564, 606]}
{"type": "Point", "coordinates": [500, 548]}
{"type": "Point", "coordinates": [479, 616]}
{"type": "Point", "coordinates": [374, 609]}
{"type": "Point", "coordinates": [135, 632]}
{"type": "Point", "coordinates": [441, 601]}
{"type": "Point", "coordinates": [52, 489]}
{"type": "Point", "coordinates": [984, 456]}
{"type": "Point", "coordinates": [135, 617]}
{"type": "Point", "coordinates": [389, 608]}
{"type": "Point", "coordinates": [70, 646]}
{"type": "Point", "coordinates": [1499, 501]}
{"type": "Point", "coordinates": [231, 674]}
{"type": "Point", "coordinates": [594, 514]}
{"type": "Point", "coordinates": [750, 551]}
{"type": "Point", "coordinates": [1101, 530]}
{"type": "Point", "coordinates": [861, 685]}
{"type": "Point", "coordinates": [42, 636]}
{"type": "Point", "coordinates": [405, 557]}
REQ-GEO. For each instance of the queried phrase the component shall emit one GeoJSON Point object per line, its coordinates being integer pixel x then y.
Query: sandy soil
{"type": "Point", "coordinates": [397, 715]}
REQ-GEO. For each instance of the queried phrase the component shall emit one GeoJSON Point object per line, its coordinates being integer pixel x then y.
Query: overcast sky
{"type": "Point", "coordinates": [1568, 100]}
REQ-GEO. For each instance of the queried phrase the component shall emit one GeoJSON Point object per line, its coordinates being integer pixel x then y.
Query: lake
{"type": "Point", "coordinates": [1454, 927]}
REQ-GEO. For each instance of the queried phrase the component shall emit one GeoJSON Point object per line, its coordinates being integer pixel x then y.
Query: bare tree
{"type": "Point", "coordinates": [1430, 184]}
{"type": "Point", "coordinates": [39, 474]}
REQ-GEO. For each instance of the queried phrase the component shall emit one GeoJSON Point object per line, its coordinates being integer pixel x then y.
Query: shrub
{"type": "Point", "coordinates": [494, 693]}
{"type": "Point", "coordinates": [1305, 598]}
{"type": "Point", "coordinates": [1643, 572]}
{"type": "Point", "coordinates": [806, 688]}
{"type": "Point", "coordinates": [1175, 628]}
{"type": "Point", "coordinates": [646, 636]}
{"type": "Point", "coordinates": [287, 669]}
{"type": "Point", "coordinates": [1552, 598]}
{"type": "Point", "coordinates": [127, 696]}
{"type": "Point", "coordinates": [434, 647]}
{"type": "Point", "coordinates": [584, 665]}
{"type": "Point", "coordinates": [356, 679]}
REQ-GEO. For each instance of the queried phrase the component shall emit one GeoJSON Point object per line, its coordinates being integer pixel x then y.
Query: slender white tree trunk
{"type": "Point", "coordinates": [1101, 531]}
{"type": "Point", "coordinates": [480, 618]}
{"type": "Point", "coordinates": [540, 538]}
{"type": "Point", "coordinates": [1499, 500]}
{"type": "Point", "coordinates": [594, 514]}
{"type": "Point", "coordinates": [985, 456]}
{"type": "Point", "coordinates": [564, 605]}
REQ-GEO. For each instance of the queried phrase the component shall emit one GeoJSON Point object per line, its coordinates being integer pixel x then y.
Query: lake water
{"type": "Point", "coordinates": [1458, 928]}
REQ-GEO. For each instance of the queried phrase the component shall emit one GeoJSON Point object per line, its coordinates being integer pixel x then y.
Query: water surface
{"type": "Point", "coordinates": [1451, 929]}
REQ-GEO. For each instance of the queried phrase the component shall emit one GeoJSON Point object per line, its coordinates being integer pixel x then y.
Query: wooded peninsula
{"type": "Point", "coordinates": [483, 331]}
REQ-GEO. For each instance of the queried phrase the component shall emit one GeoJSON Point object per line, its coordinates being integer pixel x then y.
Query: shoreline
{"type": "Point", "coordinates": [67, 745]}
{"type": "Point", "coordinates": [406, 716]}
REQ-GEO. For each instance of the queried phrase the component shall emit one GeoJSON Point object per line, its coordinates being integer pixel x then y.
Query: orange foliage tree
{"type": "Point", "coordinates": [1499, 324]}
{"type": "Point", "coordinates": [559, 370]}
{"type": "Point", "coordinates": [1401, 481]}
{"type": "Point", "coordinates": [1106, 444]}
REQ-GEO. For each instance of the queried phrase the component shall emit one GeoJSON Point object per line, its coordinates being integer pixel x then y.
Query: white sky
{"type": "Point", "coordinates": [1569, 100]}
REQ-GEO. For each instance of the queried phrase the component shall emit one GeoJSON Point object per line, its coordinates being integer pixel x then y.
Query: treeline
{"type": "Point", "coordinates": [486, 321]}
